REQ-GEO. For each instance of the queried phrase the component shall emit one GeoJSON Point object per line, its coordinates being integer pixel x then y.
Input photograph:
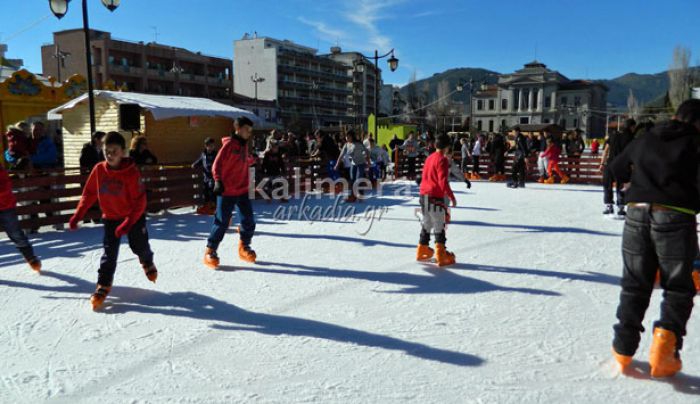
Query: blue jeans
{"type": "Point", "coordinates": [224, 210]}
{"type": "Point", "coordinates": [9, 222]}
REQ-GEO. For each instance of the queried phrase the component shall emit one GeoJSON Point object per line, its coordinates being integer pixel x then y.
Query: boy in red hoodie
{"type": "Point", "coordinates": [434, 194]}
{"type": "Point", "coordinates": [552, 154]}
{"type": "Point", "coordinates": [9, 222]}
{"type": "Point", "coordinates": [231, 183]}
{"type": "Point", "coordinates": [116, 185]}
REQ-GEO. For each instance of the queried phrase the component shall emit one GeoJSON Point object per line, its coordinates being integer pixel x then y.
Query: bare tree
{"type": "Point", "coordinates": [680, 76]}
{"type": "Point", "coordinates": [633, 107]}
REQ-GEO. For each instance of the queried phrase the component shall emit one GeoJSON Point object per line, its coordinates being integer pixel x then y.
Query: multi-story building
{"type": "Point", "coordinates": [538, 95]}
{"type": "Point", "coordinates": [312, 90]}
{"type": "Point", "coordinates": [136, 66]}
{"type": "Point", "coordinates": [364, 78]}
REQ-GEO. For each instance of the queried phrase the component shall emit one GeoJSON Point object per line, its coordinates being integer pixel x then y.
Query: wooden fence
{"type": "Point", "coordinates": [583, 170]}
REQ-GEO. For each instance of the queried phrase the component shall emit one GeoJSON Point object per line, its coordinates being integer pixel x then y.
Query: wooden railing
{"type": "Point", "coordinates": [50, 197]}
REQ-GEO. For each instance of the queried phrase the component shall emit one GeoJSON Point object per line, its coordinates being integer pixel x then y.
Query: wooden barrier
{"type": "Point", "coordinates": [50, 197]}
{"type": "Point", "coordinates": [583, 170]}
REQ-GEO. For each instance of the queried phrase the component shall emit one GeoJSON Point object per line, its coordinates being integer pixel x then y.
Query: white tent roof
{"type": "Point", "coordinates": [162, 106]}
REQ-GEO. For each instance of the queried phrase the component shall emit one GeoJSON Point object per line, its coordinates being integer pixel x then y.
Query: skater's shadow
{"type": "Point", "coordinates": [534, 229]}
{"type": "Point", "coordinates": [363, 241]}
{"type": "Point", "coordinates": [435, 281]}
{"type": "Point", "coordinates": [228, 317]}
{"type": "Point", "coordinates": [586, 276]}
{"type": "Point", "coordinates": [681, 382]}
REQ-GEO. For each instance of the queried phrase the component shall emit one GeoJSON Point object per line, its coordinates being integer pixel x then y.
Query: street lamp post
{"type": "Point", "coordinates": [393, 65]}
{"type": "Point", "coordinates": [59, 8]}
{"type": "Point", "coordinates": [255, 79]}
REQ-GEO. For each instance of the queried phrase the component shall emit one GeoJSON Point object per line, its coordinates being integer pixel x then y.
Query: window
{"type": "Point", "coordinates": [546, 120]}
{"type": "Point", "coordinates": [562, 123]}
{"type": "Point", "coordinates": [524, 120]}
{"type": "Point", "coordinates": [526, 100]}
{"type": "Point", "coordinates": [504, 104]}
{"type": "Point", "coordinates": [564, 101]}
{"type": "Point", "coordinates": [577, 102]}
{"type": "Point", "coordinates": [535, 98]}
{"type": "Point", "coordinates": [575, 123]}
{"type": "Point", "coordinates": [480, 105]}
{"type": "Point", "coordinates": [548, 101]}
{"type": "Point", "coordinates": [491, 126]}
{"type": "Point", "coordinates": [492, 105]}
{"type": "Point", "coordinates": [479, 124]}
{"type": "Point", "coordinates": [503, 125]}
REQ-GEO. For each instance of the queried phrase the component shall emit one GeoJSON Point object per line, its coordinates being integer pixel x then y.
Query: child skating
{"type": "Point", "coordinates": [435, 193]}
{"type": "Point", "coordinates": [660, 233]}
{"type": "Point", "coordinates": [10, 223]}
{"type": "Point", "coordinates": [552, 155]}
{"type": "Point", "coordinates": [205, 162]}
{"type": "Point", "coordinates": [116, 185]}
{"type": "Point", "coordinates": [231, 185]}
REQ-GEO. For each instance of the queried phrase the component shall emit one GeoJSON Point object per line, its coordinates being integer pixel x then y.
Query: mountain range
{"type": "Point", "coordinates": [646, 87]}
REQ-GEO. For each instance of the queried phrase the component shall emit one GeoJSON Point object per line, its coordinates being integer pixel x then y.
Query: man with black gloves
{"type": "Point", "coordinates": [662, 169]}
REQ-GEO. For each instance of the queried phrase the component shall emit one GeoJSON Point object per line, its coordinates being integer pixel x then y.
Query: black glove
{"type": "Point", "coordinates": [469, 183]}
{"type": "Point", "coordinates": [218, 188]}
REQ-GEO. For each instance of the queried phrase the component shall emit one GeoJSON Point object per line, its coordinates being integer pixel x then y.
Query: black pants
{"type": "Point", "coordinates": [500, 164]}
{"type": "Point", "coordinates": [138, 242]}
{"type": "Point", "coordinates": [411, 167]}
{"type": "Point", "coordinates": [475, 164]}
{"type": "Point", "coordinates": [652, 240]}
{"type": "Point", "coordinates": [519, 171]}
{"type": "Point", "coordinates": [608, 189]}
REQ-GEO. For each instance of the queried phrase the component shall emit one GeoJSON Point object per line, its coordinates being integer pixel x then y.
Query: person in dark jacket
{"type": "Point", "coordinates": [497, 151]}
{"type": "Point", "coordinates": [206, 162]}
{"type": "Point", "coordinates": [661, 169]}
{"type": "Point", "coordinates": [329, 150]}
{"type": "Point", "coordinates": [92, 153]}
{"type": "Point", "coordinates": [139, 152]}
{"type": "Point", "coordinates": [273, 166]}
{"type": "Point", "coordinates": [616, 143]}
{"type": "Point", "coordinates": [521, 151]}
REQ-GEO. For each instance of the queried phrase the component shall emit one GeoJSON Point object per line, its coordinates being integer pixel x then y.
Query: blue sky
{"type": "Point", "coordinates": [580, 38]}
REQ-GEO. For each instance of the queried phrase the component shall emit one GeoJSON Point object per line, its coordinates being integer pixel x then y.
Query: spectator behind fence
{"type": "Point", "coordinates": [274, 169]}
{"type": "Point", "coordinates": [139, 152]}
{"type": "Point", "coordinates": [411, 149]}
{"type": "Point", "coordinates": [395, 145]}
{"type": "Point", "coordinates": [19, 149]}
{"type": "Point", "coordinates": [206, 162]}
{"type": "Point", "coordinates": [92, 153]}
{"type": "Point", "coordinates": [45, 154]}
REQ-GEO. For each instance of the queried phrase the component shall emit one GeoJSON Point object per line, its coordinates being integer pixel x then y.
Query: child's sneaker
{"type": "Point", "coordinates": [663, 356]}
{"type": "Point", "coordinates": [623, 360]}
{"type": "Point", "coordinates": [34, 263]}
{"type": "Point", "coordinates": [151, 272]}
{"type": "Point", "coordinates": [443, 256]}
{"type": "Point", "coordinates": [549, 180]}
{"type": "Point", "coordinates": [541, 180]}
{"type": "Point", "coordinates": [98, 298]}
{"type": "Point", "coordinates": [424, 253]}
{"type": "Point", "coordinates": [246, 253]}
{"type": "Point", "coordinates": [211, 259]}
{"type": "Point", "coordinates": [696, 280]}
{"type": "Point", "coordinates": [565, 179]}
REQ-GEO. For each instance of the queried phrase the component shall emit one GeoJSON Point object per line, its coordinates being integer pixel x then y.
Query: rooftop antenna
{"type": "Point", "coordinates": [155, 33]}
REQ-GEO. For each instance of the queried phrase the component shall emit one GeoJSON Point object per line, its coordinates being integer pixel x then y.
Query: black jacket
{"type": "Point", "coordinates": [143, 158]}
{"type": "Point", "coordinates": [273, 165]}
{"type": "Point", "coordinates": [618, 142]}
{"type": "Point", "coordinates": [662, 166]}
{"type": "Point", "coordinates": [521, 147]}
{"type": "Point", "coordinates": [89, 157]}
{"type": "Point", "coordinates": [206, 161]}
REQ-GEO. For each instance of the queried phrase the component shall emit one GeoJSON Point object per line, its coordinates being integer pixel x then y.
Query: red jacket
{"type": "Point", "coordinates": [120, 192]}
{"type": "Point", "coordinates": [552, 153]}
{"type": "Point", "coordinates": [231, 166]}
{"type": "Point", "coordinates": [435, 181]}
{"type": "Point", "coordinates": [7, 199]}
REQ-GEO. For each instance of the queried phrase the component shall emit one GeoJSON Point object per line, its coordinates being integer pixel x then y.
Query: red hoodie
{"type": "Point", "coordinates": [120, 192]}
{"type": "Point", "coordinates": [7, 199]}
{"type": "Point", "coordinates": [231, 166]}
{"type": "Point", "coordinates": [435, 181]}
{"type": "Point", "coordinates": [552, 153]}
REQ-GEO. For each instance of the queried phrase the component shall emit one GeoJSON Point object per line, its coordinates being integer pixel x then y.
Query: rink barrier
{"type": "Point", "coordinates": [49, 197]}
{"type": "Point", "coordinates": [583, 170]}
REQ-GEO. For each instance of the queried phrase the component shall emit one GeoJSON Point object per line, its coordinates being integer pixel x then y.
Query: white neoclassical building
{"type": "Point", "coordinates": [538, 95]}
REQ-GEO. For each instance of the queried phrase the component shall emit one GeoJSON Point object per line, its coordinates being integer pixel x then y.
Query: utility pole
{"type": "Point", "coordinates": [60, 57]}
{"type": "Point", "coordinates": [255, 79]}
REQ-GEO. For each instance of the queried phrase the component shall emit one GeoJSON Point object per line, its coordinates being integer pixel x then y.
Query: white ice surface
{"type": "Point", "coordinates": [329, 315]}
